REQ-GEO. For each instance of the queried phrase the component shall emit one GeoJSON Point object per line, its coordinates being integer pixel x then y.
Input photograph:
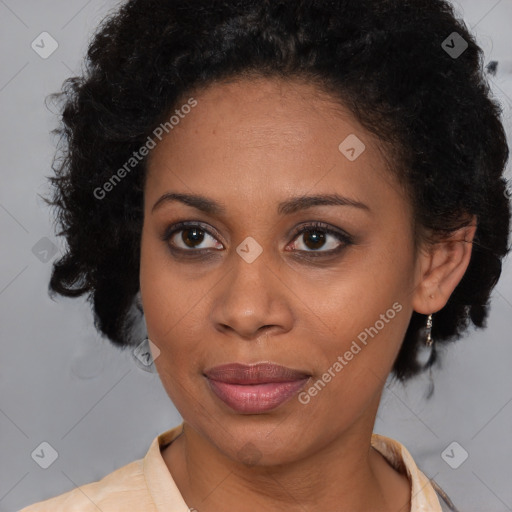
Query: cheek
{"type": "Point", "coordinates": [353, 298]}
{"type": "Point", "coordinates": [361, 318]}
{"type": "Point", "coordinates": [165, 296]}
{"type": "Point", "coordinates": [353, 367]}
{"type": "Point", "coordinates": [174, 311]}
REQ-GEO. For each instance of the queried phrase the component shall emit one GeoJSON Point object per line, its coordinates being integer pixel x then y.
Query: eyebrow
{"type": "Point", "coordinates": [287, 207]}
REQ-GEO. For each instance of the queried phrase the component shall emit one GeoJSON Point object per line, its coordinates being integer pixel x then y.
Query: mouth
{"type": "Point", "coordinates": [254, 389]}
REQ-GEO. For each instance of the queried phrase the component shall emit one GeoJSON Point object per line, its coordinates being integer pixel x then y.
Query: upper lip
{"type": "Point", "coordinates": [239, 373]}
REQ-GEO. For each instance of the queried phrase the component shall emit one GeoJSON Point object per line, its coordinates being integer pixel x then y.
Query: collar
{"type": "Point", "coordinates": [165, 493]}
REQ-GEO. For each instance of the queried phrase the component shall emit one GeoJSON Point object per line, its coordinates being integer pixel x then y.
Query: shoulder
{"type": "Point", "coordinates": [131, 487]}
{"type": "Point", "coordinates": [116, 492]}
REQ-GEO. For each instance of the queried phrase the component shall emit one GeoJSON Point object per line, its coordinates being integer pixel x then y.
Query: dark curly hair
{"type": "Point", "coordinates": [385, 60]}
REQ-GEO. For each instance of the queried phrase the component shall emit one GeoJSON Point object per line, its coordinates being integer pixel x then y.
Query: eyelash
{"type": "Point", "coordinates": [314, 226]}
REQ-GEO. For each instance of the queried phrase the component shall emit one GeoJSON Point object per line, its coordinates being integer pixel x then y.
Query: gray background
{"type": "Point", "coordinates": [62, 383]}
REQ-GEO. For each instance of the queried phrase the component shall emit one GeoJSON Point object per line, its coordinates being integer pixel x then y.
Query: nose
{"type": "Point", "coordinates": [252, 300]}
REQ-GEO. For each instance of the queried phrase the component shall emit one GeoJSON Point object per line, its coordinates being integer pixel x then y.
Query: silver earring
{"type": "Point", "coordinates": [138, 302]}
{"type": "Point", "coordinates": [428, 331]}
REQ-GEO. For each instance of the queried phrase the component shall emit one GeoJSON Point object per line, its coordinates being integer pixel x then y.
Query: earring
{"type": "Point", "coordinates": [428, 330]}
{"type": "Point", "coordinates": [138, 302]}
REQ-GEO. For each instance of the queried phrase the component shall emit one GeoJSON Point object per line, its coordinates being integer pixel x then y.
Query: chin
{"type": "Point", "coordinates": [256, 440]}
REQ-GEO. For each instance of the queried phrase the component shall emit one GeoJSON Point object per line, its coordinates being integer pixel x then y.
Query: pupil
{"type": "Point", "coordinates": [197, 236]}
{"type": "Point", "coordinates": [318, 239]}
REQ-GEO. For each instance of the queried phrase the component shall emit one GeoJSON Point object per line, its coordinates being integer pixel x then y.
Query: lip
{"type": "Point", "coordinates": [256, 388]}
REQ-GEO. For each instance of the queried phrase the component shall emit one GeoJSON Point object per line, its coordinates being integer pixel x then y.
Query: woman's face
{"type": "Point", "coordinates": [240, 285]}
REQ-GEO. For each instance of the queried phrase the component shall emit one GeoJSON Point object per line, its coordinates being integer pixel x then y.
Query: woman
{"type": "Point", "coordinates": [298, 195]}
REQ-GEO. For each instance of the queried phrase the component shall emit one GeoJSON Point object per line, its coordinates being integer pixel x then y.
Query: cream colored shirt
{"type": "Point", "coordinates": [147, 485]}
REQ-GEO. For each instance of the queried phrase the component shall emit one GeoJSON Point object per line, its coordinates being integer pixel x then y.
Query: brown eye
{"type": "Point", "coordinates": [317, 236]}
{"type": "Point", "coordinates": [313, 239]}
{"type": "Point", "coordinates": [191, 238]}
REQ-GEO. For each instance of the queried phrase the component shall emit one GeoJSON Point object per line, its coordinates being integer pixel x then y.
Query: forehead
{"type": "Point", "coordinates": [246, 135]}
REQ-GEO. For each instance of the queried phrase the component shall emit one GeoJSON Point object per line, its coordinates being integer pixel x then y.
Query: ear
{"type": "Point", "coordinates": [440, 268]}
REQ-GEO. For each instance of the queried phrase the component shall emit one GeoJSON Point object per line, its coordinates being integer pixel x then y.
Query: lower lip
{"type": "Point", "coordinates": [256, 398]}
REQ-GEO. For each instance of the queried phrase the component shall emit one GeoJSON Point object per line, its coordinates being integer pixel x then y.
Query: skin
{"type": "Point", "coordinates": [249, 145]}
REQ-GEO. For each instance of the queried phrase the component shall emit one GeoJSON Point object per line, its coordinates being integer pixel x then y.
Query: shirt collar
{"type": "Point", "coordinates": [423, 495]}
{"type": "Point", "coordinates": [165, 493]}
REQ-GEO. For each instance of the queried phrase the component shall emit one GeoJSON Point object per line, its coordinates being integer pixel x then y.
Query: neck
{"type": "Point", "coordinates": [345, 475]}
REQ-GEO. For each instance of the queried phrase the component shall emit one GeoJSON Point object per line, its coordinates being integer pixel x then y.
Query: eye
{"type": "Point", "coordinates": [191, 237]}
{"type": "Point", "coordinates": [317, 236]}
